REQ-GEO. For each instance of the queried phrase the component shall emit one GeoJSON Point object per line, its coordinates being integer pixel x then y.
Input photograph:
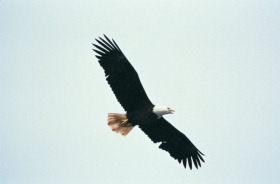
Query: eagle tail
{"type": "Point", "coordinates": [119, 123]}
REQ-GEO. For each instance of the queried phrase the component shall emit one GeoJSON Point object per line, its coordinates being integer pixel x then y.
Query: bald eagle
{"type": "Point", "coordinates": [125, 83]}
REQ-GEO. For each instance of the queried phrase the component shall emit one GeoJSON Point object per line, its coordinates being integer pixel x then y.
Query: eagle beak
{"type": "Point", "coordinates": [171, 111]}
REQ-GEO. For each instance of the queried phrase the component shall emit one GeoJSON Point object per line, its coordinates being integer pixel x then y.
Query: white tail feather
{"type": "Point", "coordinates": [116, 122]}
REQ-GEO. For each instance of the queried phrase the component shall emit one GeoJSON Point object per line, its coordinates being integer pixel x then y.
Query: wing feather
{"type": "Point", "coordinates": [103, 41]}
{"type": "Point", "coordinates": [174, 142]}
{"type": "Point", "coordinates": [110, 42]}
{"type": "Point", "coordinates": [104, 45]}
{"type": "Point", "coordinates": [100, 48]}
{"type": "Point", "coordinates": [116, 45]}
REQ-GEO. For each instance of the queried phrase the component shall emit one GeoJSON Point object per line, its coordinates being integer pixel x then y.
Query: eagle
{"type": "Point", "coordinates": [140, 111]}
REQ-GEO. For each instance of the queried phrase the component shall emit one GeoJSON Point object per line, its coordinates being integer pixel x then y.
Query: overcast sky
{"type": "Point", "coordinates": [215, 62]}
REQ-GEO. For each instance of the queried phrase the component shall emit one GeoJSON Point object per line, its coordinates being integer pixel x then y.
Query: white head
{"type": "Point", "coordinates": [161, 110]}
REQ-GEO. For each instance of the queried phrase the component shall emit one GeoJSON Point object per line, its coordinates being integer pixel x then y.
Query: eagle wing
{"type": "Point", "coordinates": [121, 76]}
{"type": "Point", "coordinates": [174, 142]}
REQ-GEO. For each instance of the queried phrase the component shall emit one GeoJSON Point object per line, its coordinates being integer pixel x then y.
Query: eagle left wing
{"type": "Point", "coordinates": [174, 142]}
{"type": "Point", "coordinates": [121, 75]}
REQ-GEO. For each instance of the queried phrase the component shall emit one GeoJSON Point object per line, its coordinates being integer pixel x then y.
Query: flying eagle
{"type": "Point", "coordinates": [125, 83]}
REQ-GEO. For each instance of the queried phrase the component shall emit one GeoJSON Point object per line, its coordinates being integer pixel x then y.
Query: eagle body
{"type": "Point", "coordinates": [140, 111]}
{"type": "Point", "coordinates": [143, 116]}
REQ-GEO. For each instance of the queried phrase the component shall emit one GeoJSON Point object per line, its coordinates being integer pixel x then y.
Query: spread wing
{"type": "Point", "coordinates": [121, 76]}
{"type": "Point", "coordinates": [174, 142]}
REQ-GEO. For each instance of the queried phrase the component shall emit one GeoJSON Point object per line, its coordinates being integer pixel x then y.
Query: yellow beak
{"type": "Point", "coordinates": [171, 111]}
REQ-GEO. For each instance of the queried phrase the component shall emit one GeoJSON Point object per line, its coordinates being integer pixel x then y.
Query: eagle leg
{"type": "Point", "coordinates": [124, 122]}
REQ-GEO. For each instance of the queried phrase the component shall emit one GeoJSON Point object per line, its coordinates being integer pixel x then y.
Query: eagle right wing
{"type": "Point", "coordinates": [121, 76]}
{"type": "Point", "coordinates": [173, 141]}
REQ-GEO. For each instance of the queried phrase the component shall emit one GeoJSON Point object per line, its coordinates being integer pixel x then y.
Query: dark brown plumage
{"type": "Point", "coordinates": [125, 83]}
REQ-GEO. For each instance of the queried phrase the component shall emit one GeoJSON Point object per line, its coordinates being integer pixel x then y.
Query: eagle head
{"type": "Point", "coordinates": [162, 110]}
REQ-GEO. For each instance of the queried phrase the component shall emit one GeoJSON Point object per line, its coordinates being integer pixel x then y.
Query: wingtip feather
{"type": "Point", "coordinates": [195, 162]}
{"type": "Point", "coordinates": [190, 162]}
{"type": "Point", "coordinates": [185, 163]}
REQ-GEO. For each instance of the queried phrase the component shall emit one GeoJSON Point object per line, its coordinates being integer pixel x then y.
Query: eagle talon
{"type": "Point", "coordinates": [124, 121]}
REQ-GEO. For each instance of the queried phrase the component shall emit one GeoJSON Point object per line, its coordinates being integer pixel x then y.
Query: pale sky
{"type": "Point", "coordinates": [215, 62]}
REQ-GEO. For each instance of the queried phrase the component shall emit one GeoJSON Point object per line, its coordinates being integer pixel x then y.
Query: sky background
{"type": "Point", "coordinates": [215, 62]}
